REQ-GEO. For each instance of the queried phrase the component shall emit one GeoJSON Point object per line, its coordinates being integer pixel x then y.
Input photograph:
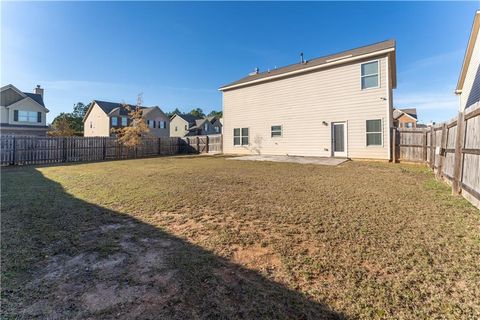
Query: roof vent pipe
{"type": "Point", "coordinates": [301, 58]}
{"type": "Point", "coordinates": [256, 71]}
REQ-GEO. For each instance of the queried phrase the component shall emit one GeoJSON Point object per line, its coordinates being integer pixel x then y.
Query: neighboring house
{"type": "Point", "coordinates": [103, 116]}
{"type": "Point", "coordinates": [216, 123]}
{"type": "Point", "coordinates": [182, 125]}
{"type": "Point", "coordinates": [338, 105]}
{"type": "Point", "coordinates": [22, 113]}
{"type": "Point", "coordinates": [468, 86]}
{"type": "Point", "coordinates": [405, 118]}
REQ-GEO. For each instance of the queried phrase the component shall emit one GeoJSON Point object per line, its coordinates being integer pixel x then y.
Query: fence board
{"type": "Point", "coordinates": [452, 149]}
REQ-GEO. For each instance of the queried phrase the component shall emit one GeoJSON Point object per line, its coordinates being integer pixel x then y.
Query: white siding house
{"type": "Point", "coordinates": [468, 87]}
{"type": "Point", "coordinates": [339, 105]}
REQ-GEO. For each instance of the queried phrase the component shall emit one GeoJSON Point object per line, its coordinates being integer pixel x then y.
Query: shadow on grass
{"type": "Point", "coordinates": [63, 257]}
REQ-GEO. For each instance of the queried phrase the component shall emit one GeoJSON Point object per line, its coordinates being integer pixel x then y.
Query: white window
{"type": "Point", "coordinates": [124, 121]}
{"type": "Point", "coordinates": [217, 129]}
{"type": "Point", "coordinates": [276, 131]}
{"type": "Point", "coordinates": [409, 125]}
{"type": "Point", "coordinates": [151, 123]}
{"type": "Point", "coordinates": [206, 127]}
{"type": "Point", "coordinates": [163, 125]}
{"type": "Point", "coordinates": [114, 121]}
{"type": "Point", "coordinates": [27, 116]}
{"type": "Point", "coordinates": [370, 77]}
{"type": "Point", "coordinates": [374, 132]}
{"type": "Point", "coordinates": [240, 136]}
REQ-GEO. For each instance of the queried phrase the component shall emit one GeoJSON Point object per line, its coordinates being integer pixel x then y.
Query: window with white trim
{"type": "Point", "coordinates": [27, 116]}
{"type": "Point", "coordinates": [217, 129]}
{"type": "Point", "coordinates": [163, 124]}
{"type": "Point", "coordinates": [276, 131]}
{"type": "Point", "coordinates": [370, 75]}
{"type": "Point", "coordinates": [240, 136]}
{"type": "Point", "coordinates": [114, 121]}
{"type": "Point", "coordinates": [374, 132]}
{"type": "Point", "coordinates": [151, 123]}
{"type": "Point", "coordinates": [124, 121]}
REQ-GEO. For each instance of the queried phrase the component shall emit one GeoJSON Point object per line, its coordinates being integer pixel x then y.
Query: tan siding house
{"type": "Point", "coordinates": [102, 116]}
{"type": "Point", "coordinates": [22, 113]}
{"type": "Point", "coordinates": [405, 118]}
{"type": "Point", "coordinates": [182, 125]}
{"type": "Point", "coordinates": [340, 105]}
{"type": "Point", "coordinates": [468, 87]}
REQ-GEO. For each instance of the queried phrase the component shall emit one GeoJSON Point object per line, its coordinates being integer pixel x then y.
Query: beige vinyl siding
{"type": "Point", "coordinates": [157, 115]}
{"type": "Point", "coordinates": [26, 104]}
{"type": "Point", "coordinates": [180, 124]}
{"type": "Point", "coordinates": [100, 123]}
{"type": "Point", "coordinates": [300, 104]}
{"type": "Point", "coordinates": [471, 87]}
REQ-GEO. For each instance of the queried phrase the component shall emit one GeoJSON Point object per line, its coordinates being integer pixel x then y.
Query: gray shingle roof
{"type": "Point", "coordinates": [316, 62]}
{"type": "Point", "coordinates": [108, 107]}
{"type": "Point", "coordinates": [191, 119]}
{"type": "Point", "coordinates": [410, 111]}
{"type": "Point", "coordinates": [36, 97]}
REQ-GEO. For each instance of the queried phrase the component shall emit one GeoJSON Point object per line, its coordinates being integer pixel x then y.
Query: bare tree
{"type": "Point", "coordinates": [133, 134]}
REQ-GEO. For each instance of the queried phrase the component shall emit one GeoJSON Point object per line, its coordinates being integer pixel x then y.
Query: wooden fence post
{"type": "Point", "coordinates": [14, 157]}
{"type": "Point", "coordinates": [198, 144]}
{"type": "Point", "coordinates": [394, 146]}
{"type": "Point", "coordinates": [432, 148]}
{"type": "Point", "coordinates": [458, 158]}
{"type": "Point", "coordinates": [425, 146]}
{"type": "Point", "coordinates": [159, 146]}
{"type": "Point", "coordinates": [443, 146]}
{"type": "Point", "coordinates": [221, 143]}
{"type": "Point", "coordinates": [207, 142]}
{"type": "Point", "coordinates": [104, 148]}
{"type": "Point", "coordinates": [65, 149]}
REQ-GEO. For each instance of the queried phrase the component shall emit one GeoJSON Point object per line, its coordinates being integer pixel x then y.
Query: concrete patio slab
{"type": "Point", "coordinates": [293, 159]}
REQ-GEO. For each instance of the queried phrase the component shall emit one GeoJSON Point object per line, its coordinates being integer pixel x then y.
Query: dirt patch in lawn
{"type": "Point", "coordinates": [203, 238]}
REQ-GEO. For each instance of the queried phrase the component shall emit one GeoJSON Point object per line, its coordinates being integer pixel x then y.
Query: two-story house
{"type": "Point", "coordinates": [338, 105]}
{"type": "Point", "coordinates": [22, 113]}
{"type": "Point", "coordinates": [405, 118]}
{"type": "Point", "coordinates": [182, 125]}
{"type": "Point", "coordinates": [102, 116]}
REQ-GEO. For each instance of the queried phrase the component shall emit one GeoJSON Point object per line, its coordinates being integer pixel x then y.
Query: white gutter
{"type": "Point", "coordinates": [321, 66]}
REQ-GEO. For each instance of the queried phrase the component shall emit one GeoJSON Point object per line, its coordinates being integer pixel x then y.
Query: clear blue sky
{"type": "Point", "coordinates": [178, 54]}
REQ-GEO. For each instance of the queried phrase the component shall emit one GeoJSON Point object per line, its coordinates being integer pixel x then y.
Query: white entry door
{"type": "Point", "coordinates": [339, 139]}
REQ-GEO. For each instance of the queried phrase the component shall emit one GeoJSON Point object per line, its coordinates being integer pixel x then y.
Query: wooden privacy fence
{"type": "Point", "coordinates": [204, 144]}
{"type": "Point", "coordinates": [28, 150]}
{"type": "Point", "coordinates": [451, 149]}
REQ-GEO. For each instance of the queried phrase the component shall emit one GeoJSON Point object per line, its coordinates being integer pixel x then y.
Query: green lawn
{"type": "Point", "coordinates": [211, 238]}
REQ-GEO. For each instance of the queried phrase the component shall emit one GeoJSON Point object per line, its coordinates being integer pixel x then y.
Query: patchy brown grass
{"type": "Point", "coordinates": [212, 238]}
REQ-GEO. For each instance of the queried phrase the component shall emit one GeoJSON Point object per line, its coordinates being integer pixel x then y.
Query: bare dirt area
{"type": "Point", "coordinates": [207, 238]}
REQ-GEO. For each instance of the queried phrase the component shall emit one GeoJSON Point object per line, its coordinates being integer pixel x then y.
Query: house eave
{"type": "Point", "coordinates": [468, 52]}
{"type": "Point", "coordinates": [314, 68]}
